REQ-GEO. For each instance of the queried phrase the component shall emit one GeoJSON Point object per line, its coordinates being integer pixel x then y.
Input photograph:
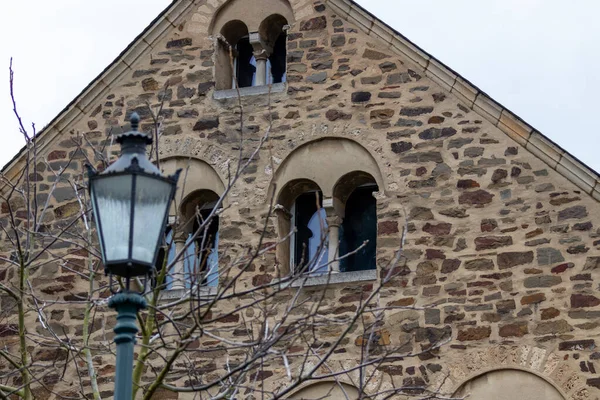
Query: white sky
{"type": "Point", "coordinates": [539, 58]}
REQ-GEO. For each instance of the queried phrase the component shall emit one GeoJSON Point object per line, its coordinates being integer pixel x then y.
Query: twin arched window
{"type": "Point", "coordinates": [337, 234]}
{"type": "Point", "coordinates": [246, 59]}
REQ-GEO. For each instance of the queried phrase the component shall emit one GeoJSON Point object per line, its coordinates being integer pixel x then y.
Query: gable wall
{"type": "Point", "coordinates": [502, 246]}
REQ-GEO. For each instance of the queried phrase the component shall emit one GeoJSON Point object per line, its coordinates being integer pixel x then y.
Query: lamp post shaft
{"type": "Point", "coordinates": [127, 304]}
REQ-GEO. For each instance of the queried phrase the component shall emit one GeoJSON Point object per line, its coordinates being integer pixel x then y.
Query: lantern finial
{"type": "Point", "coordinates": [134, 133]}
{"type": "Point", "coordinates": [135, 121]}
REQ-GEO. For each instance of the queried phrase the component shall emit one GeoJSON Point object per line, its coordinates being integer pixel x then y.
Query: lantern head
{"type": "Point", "coordinates": [131, 201]}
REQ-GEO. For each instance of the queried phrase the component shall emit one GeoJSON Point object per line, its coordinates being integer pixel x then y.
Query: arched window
{"type": "Point", "coordinates": [274, 39]}
{"type": "Point", "coordinates": [277, 60]}
{"type": "Point", "coordinates": [200, 266]}
{"type": "Point", "coordinates": [195, 199]}
{"type": "Point", "coordinates": [198, 234]}
{"type": "Point", "coordinates": [301, 218]}
{"type": "Point", "coordinates": [244, 64]}
{"type": "Point", "coordinates": [345, 176]}
{"type": "Point", "coordinates": [358, 230]}
{"type": "Point", "coordinates": [310, 240]}
{"type": "Point", "coordinates": [233, 54]}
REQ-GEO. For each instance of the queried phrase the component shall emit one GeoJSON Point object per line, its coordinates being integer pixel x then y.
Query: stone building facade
{"type": "Point", "coordinates": [502, 227]}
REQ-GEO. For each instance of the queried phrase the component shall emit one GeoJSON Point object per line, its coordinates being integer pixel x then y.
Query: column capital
{"type": "Point", "coordinates": [281, 212]}
{"type": "Point", "coordinates": [334, 217]}
{"type": "Point", "coordinates": [262, 51]}
{"type": "Point", "coordinates": [180, 237]}
{"type": "Point", "coordinates": [334, 220]}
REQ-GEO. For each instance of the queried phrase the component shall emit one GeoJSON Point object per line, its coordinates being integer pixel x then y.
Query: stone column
{"type": "Point", "coordinates": [178, 271]}
{"type": "Point", "coordinates": [284, 227]}
{"type": "Point", "coordinates": [334, 220]}
{"type": "Point", "coordinates": [261, 67]}
{"type": "Point", "coordinates": [261, 54]}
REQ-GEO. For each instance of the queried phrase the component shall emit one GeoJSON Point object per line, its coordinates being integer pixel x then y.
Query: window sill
{"type": "Point", "coordinates": [332, 279]}
{"type": "Point", "coordinates": [249, 91]}
{"type": "Point", "coordinates": [318, 280]}
{"type": "Point", "coordinates": [177, 294]}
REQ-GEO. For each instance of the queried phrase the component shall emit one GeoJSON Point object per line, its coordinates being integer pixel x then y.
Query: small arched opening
{"type": "Point", "coordinates": [234, 55]}
{"type": "Point", "coordinates": [353, 195]}
{"type": "Point", "coordinates": [273, 35]}
{"type": "Point", "coordinates": [302, 225]}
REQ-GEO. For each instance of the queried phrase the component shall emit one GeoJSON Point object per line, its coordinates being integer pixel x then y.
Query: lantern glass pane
{"type": "Point", "coordinates": [152, 198]}
{"type": "Point", "coordinates": [112, 196]}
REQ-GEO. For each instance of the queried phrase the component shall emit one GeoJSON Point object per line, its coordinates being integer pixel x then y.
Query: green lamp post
{"type": "Point", "coordinates": [130, 201]}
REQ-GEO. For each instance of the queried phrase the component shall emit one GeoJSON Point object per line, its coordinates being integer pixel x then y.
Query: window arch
{"type": "Point", "coordinates": [325, 161]}
{"type": "Point", "coordinates": [508, 384]}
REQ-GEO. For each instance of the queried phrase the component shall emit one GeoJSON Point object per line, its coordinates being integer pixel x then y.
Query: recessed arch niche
{"type": "Point", "coordinates": [196, 175]}
{"type": "Point", "coordinates": [325, 162]}
{"type": "Point", "coordinates": [508, 384]}
{"type": "Point", "coordinates": [326, 390]}
{"type": "Point", "coordinates": [252, 16]}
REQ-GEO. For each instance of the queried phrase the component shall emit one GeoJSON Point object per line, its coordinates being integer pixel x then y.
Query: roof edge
{"type": "Point", "coordinates": [557, 158]}
{"type": "Point", "coordinates": [508, 122]}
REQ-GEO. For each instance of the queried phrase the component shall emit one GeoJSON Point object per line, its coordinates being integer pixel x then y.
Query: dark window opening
{"type": "Point", "coordinates": [277, 59]}
{"type": "Point", "coordinates": [200, 258]}
{"type": "Point", "coordinates": [166, 254]}
{"type": "Point", "coordinates": [310, 242]}
{"type": "Point", "coordinates": [359, 225]}
{"type": "Point", "coordinates": [203, 253]}
{"type": "Point", "coordinates": [245, 63]}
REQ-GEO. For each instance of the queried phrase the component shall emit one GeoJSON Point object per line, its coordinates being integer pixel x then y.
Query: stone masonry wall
{"type": "Point", "coordinates": [503, 249]}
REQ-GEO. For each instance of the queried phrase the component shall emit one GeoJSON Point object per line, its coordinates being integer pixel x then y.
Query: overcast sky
{"type": "Point", "coordinates": [539, 58]}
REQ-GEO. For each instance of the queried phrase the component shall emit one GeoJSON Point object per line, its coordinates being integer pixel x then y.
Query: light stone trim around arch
{"type": "Point", "coordinates": [325, 176]}
{"type": "Point", "coordinates": [194, 148]}
{"type": "Point", "coordinates": [203, 19]}
{"type": "Point", "coordinates": [252, 17]}
{"type": "Point", "coordinates": [196, 175]}
{"type": "Point", "coordinates": [538, 361]}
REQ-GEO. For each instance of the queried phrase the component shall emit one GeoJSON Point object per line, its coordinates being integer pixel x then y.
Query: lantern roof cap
{"type": "Point", "coordinates": [134, 133]}
{"type": "Point", "coordinates": [133, 156]}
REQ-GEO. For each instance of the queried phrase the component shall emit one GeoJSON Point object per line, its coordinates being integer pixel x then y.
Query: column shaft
{"type": "Point", "coordinates": [178, 273]}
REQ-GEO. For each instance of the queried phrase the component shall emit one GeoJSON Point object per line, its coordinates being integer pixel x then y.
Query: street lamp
{"type": "Point", "coordinates": [130, 201]}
